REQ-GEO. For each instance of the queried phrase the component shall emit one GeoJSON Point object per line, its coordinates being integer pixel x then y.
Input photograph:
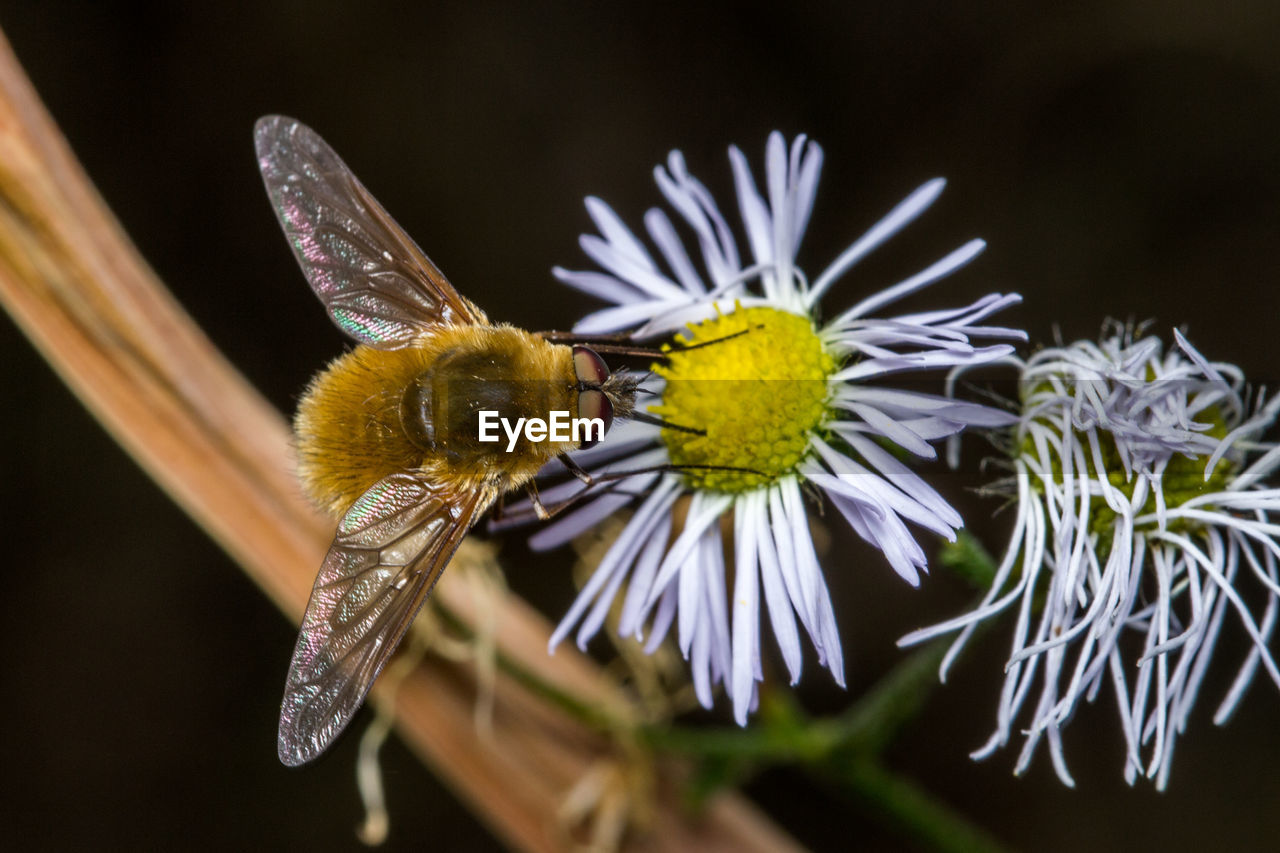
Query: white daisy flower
{"type": "Point", "coordinates": [1141, 518]}
{"type": "Point", "coordinates": [785, 405]}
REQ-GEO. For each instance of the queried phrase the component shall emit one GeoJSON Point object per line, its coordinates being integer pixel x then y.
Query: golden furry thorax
{"type": "Point", "coordinates": [351, 422]}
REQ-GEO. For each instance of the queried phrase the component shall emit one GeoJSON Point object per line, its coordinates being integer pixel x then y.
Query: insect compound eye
{"type": "Point", "coordinates": [589, 367]}
{"type": "Point", "coordinates": [595, 404]}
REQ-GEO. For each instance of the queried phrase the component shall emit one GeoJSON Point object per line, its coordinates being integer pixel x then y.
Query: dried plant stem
{"type": "Point", "coordinates": [77, 287]}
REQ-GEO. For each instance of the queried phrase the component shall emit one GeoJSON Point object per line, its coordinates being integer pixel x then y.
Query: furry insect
{"type": "Point", "coordinates": [388, 434]}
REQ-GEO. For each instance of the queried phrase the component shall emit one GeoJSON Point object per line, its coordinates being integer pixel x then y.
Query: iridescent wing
{"type": "Point", "coordinates": [390, 549]}
{"type": "Point", "coordinates": [376, 283]}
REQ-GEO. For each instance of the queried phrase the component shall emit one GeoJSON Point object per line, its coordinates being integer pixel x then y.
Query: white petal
{"type": "Point", "coordinates": [775, 593]}
{"type": "Point", "coordinates": [746, 608]}
{"type": "Point", "coordinates": [755, 213]}
{"type": "Point", "coordinates": [920, 361]}
{"type": "Point", "coordinates": [631, 620]}
{"type": "Point", "coordinates": [691, 616]}
{"type": "Point", "coordinates": [780, 526]}
{"type": "Point", "coordinates": [604, 602]}
{"type": "Point", "coordinates": [713, 567]}
{"type": "Point", "coordinates": [662, 620]}
{"type": "Point", "coordinates": [698, 655]}
{"type": "Point", "coordinates": [623, 317]}
{"type": "Point", "coordinates": [827, 639]}
{"type": "Point", "coordinates": [704, 510]}
{"type": "Point", "coordinates": [618, 236]}
{"type": "Point", "coordinates": [638, 273]}
{"type": "Point", "coordinates": [691, 199]}
{"type": "Point", "coordinates": [892, 430]}
{"type": "Point", "coordinates": [905, 479]}
{"type": "Point", "coordinates": [640, 593]}
{"type": "Point", "coordinates": [900, 216]}
{"type": "Point", "coordinates": [937, 270]}
{"type": "Point", "coordinates": [806, 185]}
{"type": "Point", "coordinates": [600, 285]}
{"type": "Point", "coordinates": [668, 241]}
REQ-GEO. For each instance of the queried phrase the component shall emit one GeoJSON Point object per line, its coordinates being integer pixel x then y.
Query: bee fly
{"type": "Point", "coordinates": [388, 435]}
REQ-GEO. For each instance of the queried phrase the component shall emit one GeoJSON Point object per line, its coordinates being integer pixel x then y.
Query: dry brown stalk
{"type": "Point", "coordinates": [76, 285]}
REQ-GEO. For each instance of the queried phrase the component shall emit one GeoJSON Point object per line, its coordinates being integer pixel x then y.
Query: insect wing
{"type": "Point", "coordinates": [390, 549]}
{"type": "Point", "coordinates": [376, 283]}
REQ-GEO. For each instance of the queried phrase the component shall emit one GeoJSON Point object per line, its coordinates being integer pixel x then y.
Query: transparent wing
{"type": "Point", "coordinates": [390, 549]}
{"type": "Point", "coordinates": [377, 284]}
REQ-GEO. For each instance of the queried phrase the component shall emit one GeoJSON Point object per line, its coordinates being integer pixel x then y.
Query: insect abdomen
{"type": "Point", "coordinates": [348, 427]}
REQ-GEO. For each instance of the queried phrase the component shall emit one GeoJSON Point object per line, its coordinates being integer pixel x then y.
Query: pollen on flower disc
{"type": "Point", "coordinates": [757, 397]}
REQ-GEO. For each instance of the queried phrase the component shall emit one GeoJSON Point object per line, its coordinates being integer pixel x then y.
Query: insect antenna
{"type": "Point", "coordinates": [713, 341]}
{"type": "Point", "coordinates": [608, 344]}
{"type": "Point", "coordinates": [575, 338]}
{"type": "Point", "coordinates": [619, 344]}
{"type": "Point", "coordinates": [646, 418]}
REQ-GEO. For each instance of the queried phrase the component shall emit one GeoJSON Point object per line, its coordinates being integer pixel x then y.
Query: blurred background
{"type": "Point", "coordinates": [1120, 158]}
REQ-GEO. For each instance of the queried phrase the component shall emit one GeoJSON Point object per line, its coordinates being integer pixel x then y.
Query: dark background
{"type": "Point", "coordinates": [1121, 159]}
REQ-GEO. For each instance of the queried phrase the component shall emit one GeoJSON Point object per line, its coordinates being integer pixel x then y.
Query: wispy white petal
{"type": "Point", "coordinates": [1133, 576]}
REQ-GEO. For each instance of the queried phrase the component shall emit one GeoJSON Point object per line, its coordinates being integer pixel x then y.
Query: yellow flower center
{"type": "Point", "coordinates": [758, 397]}
{"type": "Point", "coordinates": [1182, 479]}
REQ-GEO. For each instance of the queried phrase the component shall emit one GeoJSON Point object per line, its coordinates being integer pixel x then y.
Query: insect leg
{"type": "Point", "coordinates": [574, 468]}
{"type": "Point", "coordinates": [594, 485]}
{"type": "Point", "coordinates": [536, 502]}
{"type": "Point", "coordinates": [500, 506]}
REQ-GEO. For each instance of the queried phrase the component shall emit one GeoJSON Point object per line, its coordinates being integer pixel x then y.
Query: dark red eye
{"type": "Point", "coordinates": [597, 405]}
{"type": "Point", "coordinates": [589, 367]}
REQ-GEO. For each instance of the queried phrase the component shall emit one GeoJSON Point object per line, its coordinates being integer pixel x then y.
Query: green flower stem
{"type": "Point", "coordinates": [901, 805]}
{"type": "Point", "coordinates": [786, 735]}
{"type": "Point", "coordinates": [842, 750]}
{"type": "Point", "coordinates": [873, 721]}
